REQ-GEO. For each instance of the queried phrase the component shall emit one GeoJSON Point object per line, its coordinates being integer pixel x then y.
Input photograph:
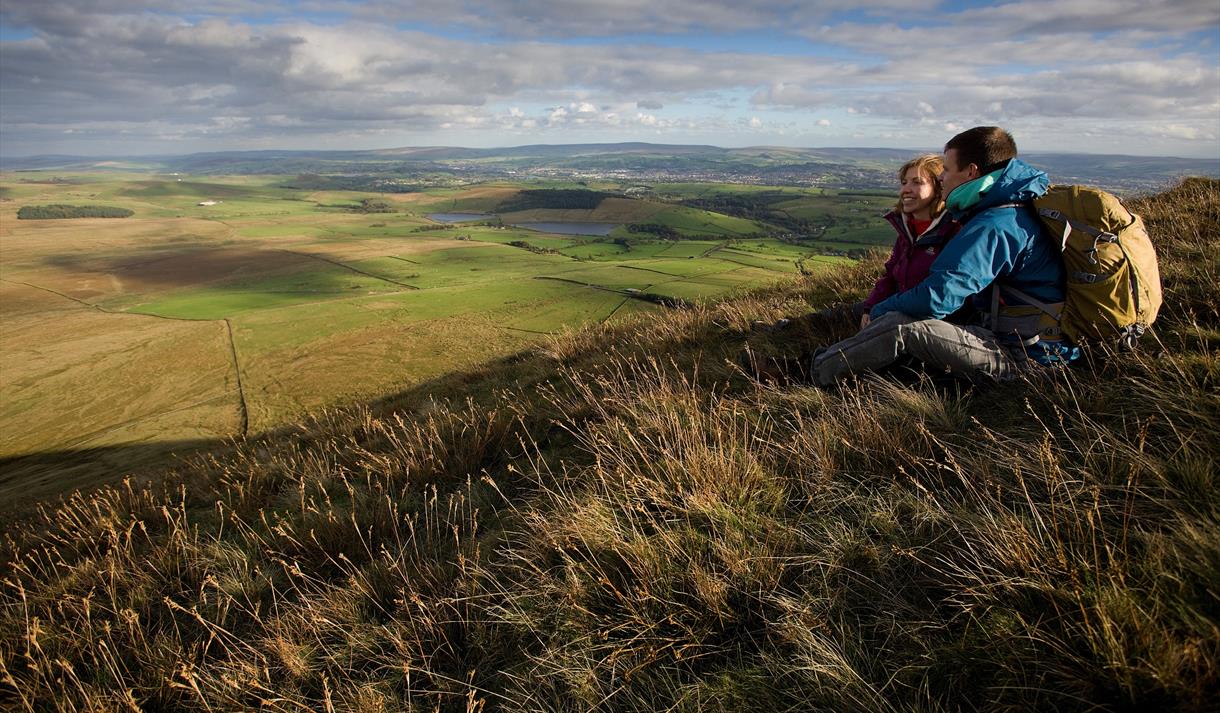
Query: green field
{"type": "Point", "coordinates": [228, 319]}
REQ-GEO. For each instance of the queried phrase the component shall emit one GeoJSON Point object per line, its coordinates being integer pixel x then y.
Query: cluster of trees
{"type": "Point", "coordinates": [373, 205]}
{"type": "Point", "coordinates": [663, 300]}
{"type": "Point", "coordinates": [661, 231]}
{"type": "Point", "coordinates": [553, 198]}
{"type": "Point", "coordinates": [59, 210]}
{"type": "Point", "coordinates": [533, 248]}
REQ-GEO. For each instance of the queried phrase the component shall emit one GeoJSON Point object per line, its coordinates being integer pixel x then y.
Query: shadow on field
{"type": "Point", "coordinates": [46, 476]}
{"type": "Point", "coordinates": [184, 265]}
{"type": "Point", "coordinates": [27, 479]}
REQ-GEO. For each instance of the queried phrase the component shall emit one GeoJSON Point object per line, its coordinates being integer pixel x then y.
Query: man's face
{"type": "Point", "coordinates": [955, 175]}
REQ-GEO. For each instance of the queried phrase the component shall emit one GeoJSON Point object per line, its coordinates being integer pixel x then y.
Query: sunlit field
{"type": "Point", "coordinates": [190, 321]}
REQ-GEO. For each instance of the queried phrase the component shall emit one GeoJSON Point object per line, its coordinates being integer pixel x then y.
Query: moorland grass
{"type": "Point", "coordinates": [620, 520]}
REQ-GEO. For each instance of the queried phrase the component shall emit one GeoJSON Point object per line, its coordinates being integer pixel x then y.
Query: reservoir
{"type": "Point", "coordinates": [458, 217]}
{"type": "Point", "coordinates": [570, 228]}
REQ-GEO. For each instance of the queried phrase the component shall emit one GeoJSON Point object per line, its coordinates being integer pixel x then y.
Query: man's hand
{"type": "Point", "coordinates": [864, 320]}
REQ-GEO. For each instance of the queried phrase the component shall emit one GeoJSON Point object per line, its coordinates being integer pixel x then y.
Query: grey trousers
{"type": "Point", "coordinates": [967, 352]}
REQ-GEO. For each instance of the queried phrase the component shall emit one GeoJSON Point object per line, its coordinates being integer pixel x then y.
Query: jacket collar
{"type": "Point", "coordinates": [970, 193]}
{"type": "Point", "coordinates": [899, 220]}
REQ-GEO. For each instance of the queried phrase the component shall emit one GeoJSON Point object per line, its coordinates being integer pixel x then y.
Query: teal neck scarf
{"type": "Point", "coordinates": [968, 195]}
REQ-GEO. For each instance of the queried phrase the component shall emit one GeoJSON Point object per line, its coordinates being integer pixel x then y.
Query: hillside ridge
{"type": "Point", "coordinates": [621, 520]}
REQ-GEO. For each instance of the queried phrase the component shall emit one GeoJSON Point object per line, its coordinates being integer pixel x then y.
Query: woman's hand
{"type": "Point", "coordinates": [864, 320]}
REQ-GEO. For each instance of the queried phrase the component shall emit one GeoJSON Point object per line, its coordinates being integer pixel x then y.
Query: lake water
{"type": "Point", "coordinates": [457, 217]}
{"type": "Point", "coordinates": [570, 228]}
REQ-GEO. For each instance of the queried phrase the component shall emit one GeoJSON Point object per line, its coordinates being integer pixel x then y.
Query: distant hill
{"type": "Point", "coordinates": [759, 165]}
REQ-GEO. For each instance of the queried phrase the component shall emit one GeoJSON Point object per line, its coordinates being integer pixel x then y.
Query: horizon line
{"type": "Point", "coordinates": [5, 159]}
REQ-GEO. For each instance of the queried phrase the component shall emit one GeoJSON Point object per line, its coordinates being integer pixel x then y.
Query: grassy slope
{"type": "Point", "coordinates": [621, 520]}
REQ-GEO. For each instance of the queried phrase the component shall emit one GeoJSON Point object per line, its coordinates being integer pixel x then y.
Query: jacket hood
{"type": "Point", "coordinates": [1017, 182]}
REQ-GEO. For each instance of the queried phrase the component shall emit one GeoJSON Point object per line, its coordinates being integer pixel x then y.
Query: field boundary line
{"type": "Point", "coordinates": [241, 392]}
{"type": "Point", "coordinates": [648, 269]}
{"type": "Point", "coordinates": [616, 309]}
{"type": "Point", "coordinates": [642, 295]}
{"type": "Point", "coordinates": [60, 294]}
{"type": "Point", "coordinates": [743, 264]}
{"type": "Point", "coordinates": [245, 424]}
{"type": "Point", "coordinates": [395, 257]}
{"type": "Point", "coordinates": [582, 284]}
{"type": "Point", "coordinates": [105, 310]}
{"type": "Point", "coordinates": [349, 267]}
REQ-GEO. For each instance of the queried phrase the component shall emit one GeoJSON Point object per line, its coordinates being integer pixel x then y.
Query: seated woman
{"type": "Point", "coordinates": [922, 228]}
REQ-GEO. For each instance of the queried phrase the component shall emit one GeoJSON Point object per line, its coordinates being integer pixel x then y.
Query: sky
{"type": "Point", "coordinates": [134, 77]}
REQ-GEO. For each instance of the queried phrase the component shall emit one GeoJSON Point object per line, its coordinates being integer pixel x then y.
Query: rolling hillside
{"type": "Point", "coordinates": [618, 519]}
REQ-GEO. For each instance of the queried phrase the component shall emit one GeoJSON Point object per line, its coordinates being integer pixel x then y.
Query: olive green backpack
{"type": "Point", "coordinates": [1113, 283]}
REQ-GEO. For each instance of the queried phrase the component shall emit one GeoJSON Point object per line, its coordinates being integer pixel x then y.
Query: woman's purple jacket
{"type": "Point", "coordinates": [912, 255]}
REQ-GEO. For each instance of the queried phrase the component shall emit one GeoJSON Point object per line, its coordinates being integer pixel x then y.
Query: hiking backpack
{"type": "Point", "coordinates": [1113, 283]}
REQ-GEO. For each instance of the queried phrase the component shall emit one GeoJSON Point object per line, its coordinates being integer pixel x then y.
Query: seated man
{"type": "Point", "coordinates": [1000, 243]}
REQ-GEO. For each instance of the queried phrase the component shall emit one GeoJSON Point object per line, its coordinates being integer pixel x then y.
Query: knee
{"type": "Point", "coordinates": [890, 319]}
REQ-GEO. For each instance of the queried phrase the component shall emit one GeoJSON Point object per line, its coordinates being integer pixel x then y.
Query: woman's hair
{"type": "Point", "coordinates": [930, 165]}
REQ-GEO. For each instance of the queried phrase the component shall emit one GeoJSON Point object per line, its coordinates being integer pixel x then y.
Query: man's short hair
{"type": "Point", "coordinates": [987, 147]}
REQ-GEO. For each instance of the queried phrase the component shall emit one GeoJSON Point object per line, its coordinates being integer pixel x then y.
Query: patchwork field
{"type": "Point", "coordinates": [190, 321]}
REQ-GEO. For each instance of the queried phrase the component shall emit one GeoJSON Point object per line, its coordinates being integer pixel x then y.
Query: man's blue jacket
{"type": "Point", "coordinates": [994, 242]}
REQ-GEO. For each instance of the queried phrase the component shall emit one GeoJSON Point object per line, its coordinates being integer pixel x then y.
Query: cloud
{"type": "Point", "coordinates": [1067, 16]}
{"type": "Point", "coordinates": [597, 18]}
{"type": "Point", "coordinates": [163, 68]}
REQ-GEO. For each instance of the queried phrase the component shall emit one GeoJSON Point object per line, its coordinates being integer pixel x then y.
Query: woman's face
{"type": "Point", "coordinates": [917, 192]}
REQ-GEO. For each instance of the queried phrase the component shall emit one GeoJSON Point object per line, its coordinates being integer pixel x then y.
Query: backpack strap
{"type": "Point", "coordinates": [994, 315]}
{"type": "Point", "coordinates": [1032, 301]}
{"type": "Point", "coordinates": [1099, 236]}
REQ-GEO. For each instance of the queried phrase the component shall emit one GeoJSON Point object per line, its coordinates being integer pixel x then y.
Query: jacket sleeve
{"type": "Point", "coordinates": [982, 251]}
{"type": "Point", "coordinates": [886, 284]}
